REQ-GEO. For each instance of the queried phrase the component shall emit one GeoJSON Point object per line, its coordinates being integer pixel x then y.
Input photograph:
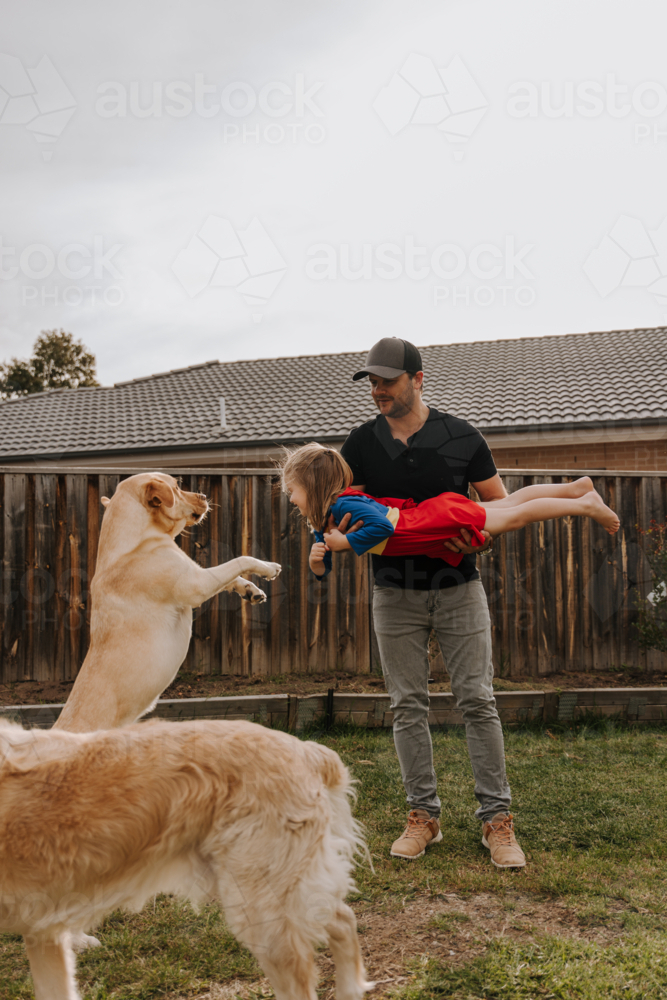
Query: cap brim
{"type": "Point", "coordinates": [379, 370]}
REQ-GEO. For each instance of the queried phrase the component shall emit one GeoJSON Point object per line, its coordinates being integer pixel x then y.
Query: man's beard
{"type": "Point", "coordinates": [402, 405]}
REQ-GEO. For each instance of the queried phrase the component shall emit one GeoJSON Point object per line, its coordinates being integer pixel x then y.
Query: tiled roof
{"type": "Point", "coordinates": [553, 381]}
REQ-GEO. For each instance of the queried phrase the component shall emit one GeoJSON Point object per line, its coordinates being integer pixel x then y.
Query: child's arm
{"type": "Point", "coordinates": [376, 526]}
{"type": "Point", "coordinates": [336, 540]}
{"type": "Point", "coordinates": [317, 559]}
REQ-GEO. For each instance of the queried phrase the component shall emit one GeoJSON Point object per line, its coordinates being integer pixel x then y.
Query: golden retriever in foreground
{"type": "Point", "coordinates": [257, 819]}
{"type": "Point", "coordinates": [143, 593]}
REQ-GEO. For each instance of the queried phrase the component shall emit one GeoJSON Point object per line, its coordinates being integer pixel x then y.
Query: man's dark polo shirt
{"type": "Point", "coordinates": [445, 456]}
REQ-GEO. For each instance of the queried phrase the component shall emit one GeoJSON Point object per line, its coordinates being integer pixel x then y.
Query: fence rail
{"type": "Point", "coordinates": [560, 594]}
{"type": "Point", "coordinates": [647, 705]}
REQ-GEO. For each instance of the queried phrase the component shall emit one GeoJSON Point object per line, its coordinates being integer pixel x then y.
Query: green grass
{"type": "Point", "coordinates": [551, 969]}
{"type": "Point", "coordinates": [589, 808]}
{"type": "Point", "coordinates": [167, 950]}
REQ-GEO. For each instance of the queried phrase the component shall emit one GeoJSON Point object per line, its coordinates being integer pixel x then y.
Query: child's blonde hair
{"type": "Point", "coordinates": [322, 472]}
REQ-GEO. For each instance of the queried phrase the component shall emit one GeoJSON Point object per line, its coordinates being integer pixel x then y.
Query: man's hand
{"type": "Point", "coordinates": [343, 526]}
{"type": "Point", "coordinates": [462, 543]}
{"type": "Point", "coordinates": [336, 540]}
{"type": "Point", "coordinates": [316, 558]}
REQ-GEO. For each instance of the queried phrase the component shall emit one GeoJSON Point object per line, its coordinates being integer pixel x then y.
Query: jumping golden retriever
{"type": "Point", "coordinates": [231, 811]}
{"type": "Point", "coordinates": [143, 593]}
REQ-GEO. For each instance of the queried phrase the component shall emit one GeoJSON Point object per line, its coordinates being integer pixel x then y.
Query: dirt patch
{"type": "Point", "coordinates": [456, 930]}
{"type": "Point", "coordinates": [206, 686]}
{"type": "Point", "coordinates": [34, 693]}
{"type": "Point", "coordinates": [448, 927]}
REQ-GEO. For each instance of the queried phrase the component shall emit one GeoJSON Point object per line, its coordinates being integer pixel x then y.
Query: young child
{"type": "Point", "coordinates": [318, 481]}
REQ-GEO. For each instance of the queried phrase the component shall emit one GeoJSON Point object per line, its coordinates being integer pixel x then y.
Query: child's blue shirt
{"type": "Point", "coordinates": [376, 527]}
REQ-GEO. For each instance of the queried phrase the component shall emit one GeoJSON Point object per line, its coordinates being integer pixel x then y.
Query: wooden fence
{"type": "Point", "coordinates": [561, 594]}
{"type": "Point", "coordinates": [49, 535]}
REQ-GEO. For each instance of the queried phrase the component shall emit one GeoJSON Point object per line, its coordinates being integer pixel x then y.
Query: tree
{"type": "Point", "coordinates": [652, 623]}
{"type": "Point", "coordinates": [58, 362]}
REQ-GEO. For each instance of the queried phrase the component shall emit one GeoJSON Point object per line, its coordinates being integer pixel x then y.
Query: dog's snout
{"type": "Point", "coordinates": [199, 506]}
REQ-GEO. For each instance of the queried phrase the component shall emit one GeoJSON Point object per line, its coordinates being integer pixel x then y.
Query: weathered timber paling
{"type": "Point", "coordinates": [561, 594]}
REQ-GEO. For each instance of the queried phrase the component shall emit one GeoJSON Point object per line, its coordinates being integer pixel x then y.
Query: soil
{"type": "Point", "coordinates": [210, 686]}
{"type": "Point", "coordinates": [449, 927]}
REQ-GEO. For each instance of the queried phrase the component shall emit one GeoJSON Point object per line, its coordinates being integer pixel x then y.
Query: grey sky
{"type": "Point", "coordinates": [516, 210]}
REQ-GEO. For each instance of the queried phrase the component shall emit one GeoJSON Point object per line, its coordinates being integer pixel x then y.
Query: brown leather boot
{"type": "Point", "coordinates": [421, 831]}
{"type": "Point", "coordinates": [498, 836]}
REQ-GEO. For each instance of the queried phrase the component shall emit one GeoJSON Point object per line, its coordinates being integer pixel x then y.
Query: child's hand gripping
{"type": "Point", "coordinates": [316, 558]}
{"type": "Point", "coordinates": [336, 540]}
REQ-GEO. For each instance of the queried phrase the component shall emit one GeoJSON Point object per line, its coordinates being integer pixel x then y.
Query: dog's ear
{"type": "Point", "coordinates": [157, 493]}
{"type": "Point", "coordinates": [105, 501]}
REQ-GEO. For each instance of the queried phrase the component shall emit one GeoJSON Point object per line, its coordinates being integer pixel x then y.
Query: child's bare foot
{"type": "Point", "coordinates": [601, 513]}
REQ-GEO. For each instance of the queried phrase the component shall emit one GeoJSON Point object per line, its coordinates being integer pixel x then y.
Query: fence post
{"type": "Point", "coordinates": [292, 713]}
{"type": "Point", "coordinates": [550, 710]}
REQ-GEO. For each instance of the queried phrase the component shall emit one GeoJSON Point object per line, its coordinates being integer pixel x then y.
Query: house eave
{"type": "Point", "coordinates": [277, 442]}
{"type": "Point", "coordinates": [164, 449]}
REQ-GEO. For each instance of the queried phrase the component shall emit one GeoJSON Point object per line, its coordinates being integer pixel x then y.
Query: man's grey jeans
{"type": "Point", "coordinates": [403, 621]}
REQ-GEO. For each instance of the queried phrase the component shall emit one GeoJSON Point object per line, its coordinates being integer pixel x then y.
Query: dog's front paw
{"type": "Point", "coordinates": [253, 594]}
{"type": "Point", "coordinates": [272, 570]}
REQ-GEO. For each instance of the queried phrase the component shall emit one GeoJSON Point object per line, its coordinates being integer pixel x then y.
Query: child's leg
{"type": "Point", "coordinates": [579, 488]}
{"type": "Point", "coordinates": [502, 519]}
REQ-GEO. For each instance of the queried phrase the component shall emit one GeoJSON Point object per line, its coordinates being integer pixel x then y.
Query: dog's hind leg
{"type": "Point", "coordinates": [52, 967]}
{"type": "Point", "coordinates": [290, 971]}
{"type": "Point", "coordinates": [284, 952]}
{"type": "Point", "coordinates": [82, 941]}
{"type": "Point", "coordinates": [351, 981]}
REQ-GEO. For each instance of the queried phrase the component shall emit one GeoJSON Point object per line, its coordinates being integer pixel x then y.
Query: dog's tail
{"type": "Point", "coordinates": [341, 792]}
{"type": "Point", "coordinates": [329, 766]}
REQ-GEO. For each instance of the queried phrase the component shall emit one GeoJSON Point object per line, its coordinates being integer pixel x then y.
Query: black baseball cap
{"type": "Point", "coordinates": [389, 358]}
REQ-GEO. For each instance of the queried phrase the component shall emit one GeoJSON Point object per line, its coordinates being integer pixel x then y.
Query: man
{"type": "Point", "coordinates": [412, 450]}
